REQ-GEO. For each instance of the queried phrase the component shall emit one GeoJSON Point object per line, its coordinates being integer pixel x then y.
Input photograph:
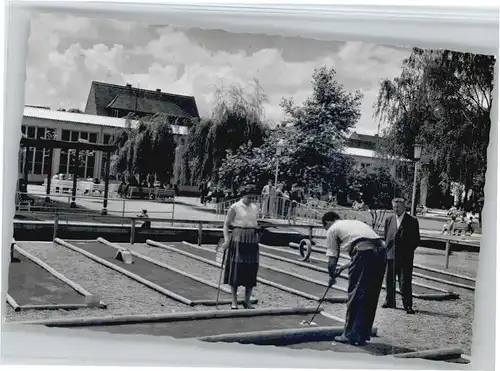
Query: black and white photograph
{"type": "Point", "coordinates": [258, 189]}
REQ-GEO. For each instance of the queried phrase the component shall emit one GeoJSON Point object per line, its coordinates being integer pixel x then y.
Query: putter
{"type": "Point", "coordinates": [310, 322]}
{"type": "Point", "coordinates": [219, 246]}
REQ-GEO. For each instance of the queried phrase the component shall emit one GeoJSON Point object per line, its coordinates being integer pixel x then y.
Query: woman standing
{"type": "Point", "coordinates": [242, 247]}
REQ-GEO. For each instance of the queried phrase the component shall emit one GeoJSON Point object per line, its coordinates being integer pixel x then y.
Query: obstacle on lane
{"type": "Point", "coordinates": [184, 288]}
{"type": "Point", "coordinates": [33, 284]}
{"type": "Point", "coordinates": [270, 276]}
{"type": "Point", "coordinates": [420, 290]}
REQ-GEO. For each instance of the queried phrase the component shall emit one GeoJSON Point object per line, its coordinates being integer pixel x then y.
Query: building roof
{"type": "Point", "coordinates": [367, 153]}
{"type": "Point", "coordinates": [82, 118]}
{"type": "Point", "coordinates": [103, 96]}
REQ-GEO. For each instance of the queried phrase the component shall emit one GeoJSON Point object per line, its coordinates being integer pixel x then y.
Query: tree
{"type": "Point", "coordinates": [442, 99]}
{"type": "Point", "coordinates": [313, 135]}
{"type": "Point", "coordinates": [237, 118]}
{"type": "Point", "coordinates": [375, 188]}
{"type": "Point", "coordinates": [147, 149]}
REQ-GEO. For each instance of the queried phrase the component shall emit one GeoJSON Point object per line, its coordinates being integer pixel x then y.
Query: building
{"type": "Point", "coordinates": [363, 149]}
{"type": "Point", "coordinates": [108, 110]}
{"type": "Point", "coordinates": [69, 126]}
{"type": "Point", "coordinates": [119, 101]}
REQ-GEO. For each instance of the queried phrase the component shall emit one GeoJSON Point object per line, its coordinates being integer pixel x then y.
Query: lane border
{"type": "Point", "coordinates": [166, 317]}
{"type": "Point", "coordinates": [433, 354]}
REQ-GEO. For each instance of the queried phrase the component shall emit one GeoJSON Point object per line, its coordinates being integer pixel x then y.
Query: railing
{"type": "Point", "coordinates": [61, 218]}
{"type": "Point", "coordinates": [279, 208]}
{"type": "Point", "coordinates": [49, 204]}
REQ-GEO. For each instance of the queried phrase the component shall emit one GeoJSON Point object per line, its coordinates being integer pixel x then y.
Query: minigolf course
{"type": "Point", "coordinates": [166, 280]}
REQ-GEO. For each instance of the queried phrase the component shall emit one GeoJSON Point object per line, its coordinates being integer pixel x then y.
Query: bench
{"type": "Point", "coordinates": [136, 192]}
{"type": "Point", "coordinates": [458, 227]}
{"type": "Point", "coordinates": [164, 194]}
{"type": "Point", "coordinates": [24, 202]}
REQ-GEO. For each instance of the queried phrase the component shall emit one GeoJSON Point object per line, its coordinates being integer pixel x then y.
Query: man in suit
{"type": "Point", "coordinates": [402, 237]}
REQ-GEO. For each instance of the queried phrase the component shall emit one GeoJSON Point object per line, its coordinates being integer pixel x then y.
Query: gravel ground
{"type": "Point", "coordinates": [436, 325]}
{"type": "Point", "coordinates": [461, 262]}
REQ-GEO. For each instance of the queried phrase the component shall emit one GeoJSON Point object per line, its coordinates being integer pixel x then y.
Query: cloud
{"type": "Point", "coordinates": [67, 53]}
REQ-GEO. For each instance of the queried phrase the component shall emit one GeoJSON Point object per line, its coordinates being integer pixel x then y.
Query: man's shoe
{"type": "Point", "coordinates": [385, 305]}
{"type": "Point", "coordinates": [410, 311]}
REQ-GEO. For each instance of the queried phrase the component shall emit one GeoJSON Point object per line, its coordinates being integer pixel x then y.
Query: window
{"type": "Point", "coordinates": [107, 139]}
{"type": "Point", "coordinates": [115, 113]}
{"type": "Point", "coordinates": [84, 135]}
{"type": "Point", "coordinates": [93, 138]}
{"type": "Point", "coordinates": [31, 132]}
{"type": "Point", "coordinates": [66, 134]}
{"type": "Point", "coordinates": [74, 136]}
{"type": "Point", "coordinates": [40, 133]}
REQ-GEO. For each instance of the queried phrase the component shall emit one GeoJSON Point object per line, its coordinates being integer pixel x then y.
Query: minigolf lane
{"type": "Point", "coordinates": [32, 286]}
{"type": "Point", "coordinates": [315, 262]}
{"type": "Point", "coordinates": [268, 275]}
{"type": "Point", "coordinates": [211, 327]}
{"type": "Point", "coordinates": [174, 284]}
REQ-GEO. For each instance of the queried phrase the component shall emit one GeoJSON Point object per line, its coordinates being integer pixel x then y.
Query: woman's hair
{"type": "Point", "coordinates": [247, 190]}
{"type": "Point", "coordinates": [330, 216]}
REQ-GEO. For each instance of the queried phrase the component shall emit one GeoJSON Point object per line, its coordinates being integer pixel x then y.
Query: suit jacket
{"type": "Point", "coordinates": [400, 243]}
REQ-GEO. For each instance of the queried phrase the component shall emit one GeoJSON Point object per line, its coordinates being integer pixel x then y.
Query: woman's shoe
{"type": "Point", "coordinates": [234, 307]}
{"type": "Point", "coordinates": [247, 306]}
{"type": "Point", "coordinates": [343, 340]}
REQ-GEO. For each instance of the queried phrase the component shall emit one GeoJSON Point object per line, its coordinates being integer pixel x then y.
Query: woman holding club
{"type": "Point", "coordinates": [242, 247]}
{"type": "Point", "coordinates": [366, 272]}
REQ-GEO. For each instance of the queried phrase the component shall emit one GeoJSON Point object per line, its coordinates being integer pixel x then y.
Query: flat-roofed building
{"type": "Point", "coordinates": [70, 126]}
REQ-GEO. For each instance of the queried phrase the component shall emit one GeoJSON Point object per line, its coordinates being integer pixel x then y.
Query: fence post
{"type": "Point", "coordinates": [173, 209]}
{"type": "Point", "coordinates": [132, 231]}
{"type": "Point", "coordinates": [310, 233]}
{"type": "Point", "coordinates": [123, 208]}
{"type": "Point", "coordinates": [56, 225]}
{"type": "Point", "coordinates": [200, 233]}
{"type": "Point", "coordinates": [447, 253]}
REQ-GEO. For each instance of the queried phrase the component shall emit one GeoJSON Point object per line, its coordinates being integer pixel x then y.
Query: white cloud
{"type": "Point", "coordinates": [67, 53]}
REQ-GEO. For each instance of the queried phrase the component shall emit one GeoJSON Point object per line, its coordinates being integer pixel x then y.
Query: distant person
{"type": "Point", "coordinates": [449, 225]}
{"type": "Point", "coordinates": [144, 215]}
{"type": "Point", "coordinates": [279, 201]}
{"type": "Point", "coordinates": [296, 197]}
{"type": "Point", "coordinates": [267, 194]}
{"type": "Point", "coordinates": [242, 247]}
{"type": "Point", "coordinates": [365, 270]}
{"type": "Point", "coordinates": [402, 237]}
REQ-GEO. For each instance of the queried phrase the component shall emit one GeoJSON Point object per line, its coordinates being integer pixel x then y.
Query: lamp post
{"type": "Point", "coordinates": [279, 149]}
{"type": "Point", "coordinates": [417, 152]}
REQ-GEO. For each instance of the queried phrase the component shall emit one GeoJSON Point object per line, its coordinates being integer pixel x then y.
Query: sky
{"type": "Point", "coordinates": [67, 53]}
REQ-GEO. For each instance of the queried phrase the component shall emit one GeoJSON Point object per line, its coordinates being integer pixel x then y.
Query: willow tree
{"type": "Point", "coordinates": [237, 118]}
{"type": "Point", "coordinates": [148, 149]}
{"type": "Point", "coordinates": [443, 100]}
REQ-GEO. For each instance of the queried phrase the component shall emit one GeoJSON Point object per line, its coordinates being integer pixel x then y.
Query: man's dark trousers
{"type": "Point", "coordinates": [402, 270]}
